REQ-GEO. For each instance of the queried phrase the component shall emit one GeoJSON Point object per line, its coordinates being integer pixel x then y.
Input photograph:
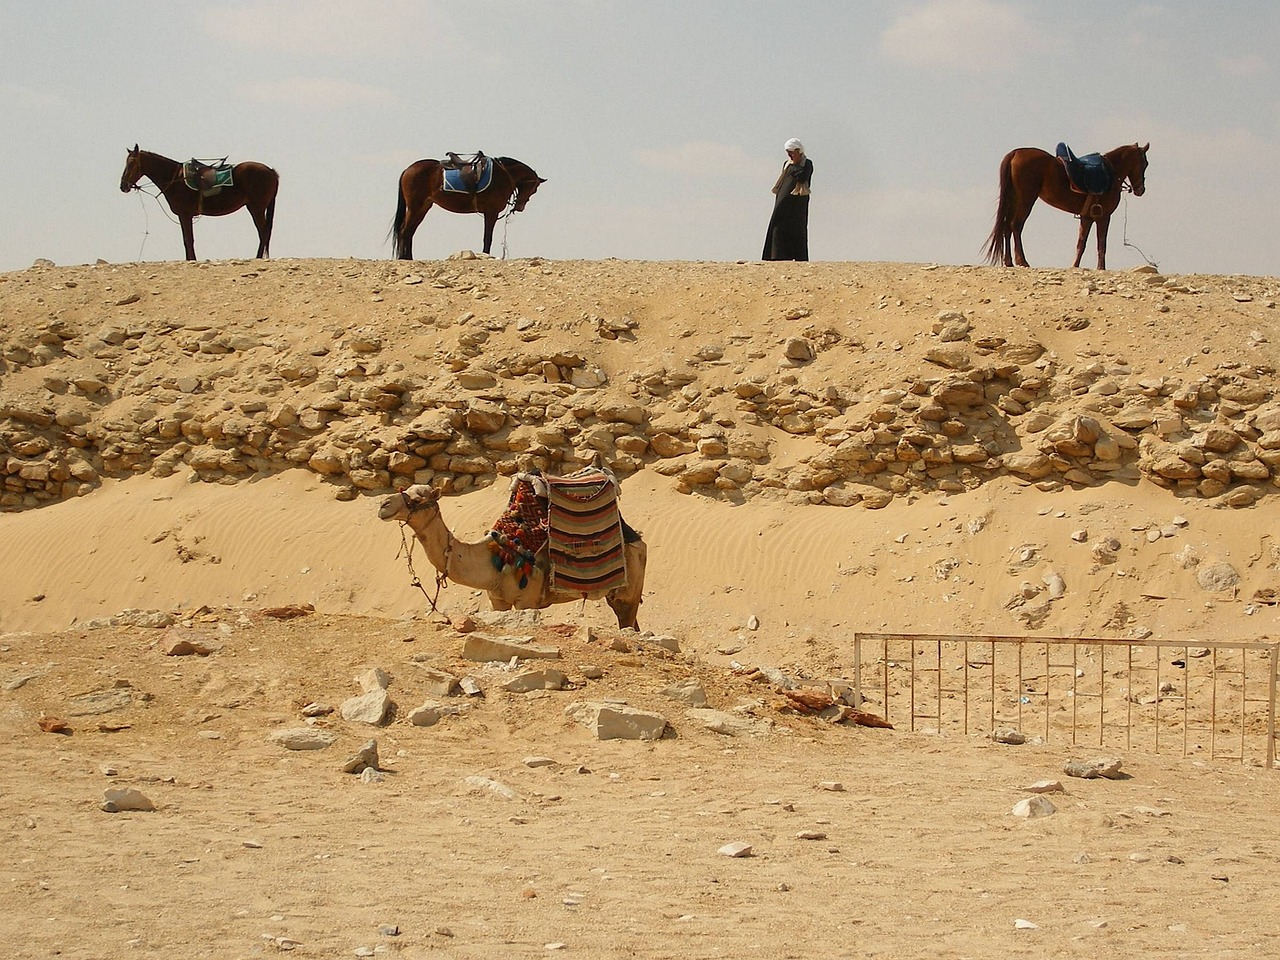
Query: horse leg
{"type": "Point", "coordinates": [1103, 224]}
{"type": "Point", "coordinates": [1019, 257]}
{"type": "Point", "coordinates": [412, 220]}
{"type": "Point", "coordinates": [490, 220]}
{"type": "Point", "coordinates": [264, 229]}
{"type": "Point", "coordinates": [1085, 226]}
{"type": "Point", "coordinates": [1022, 210]}
{"type": "Point", "coordinates": [189, 237]}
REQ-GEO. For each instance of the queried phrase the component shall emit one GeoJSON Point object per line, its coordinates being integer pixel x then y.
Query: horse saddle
{"type": "Point", "coordinates": [470, 175]}
{"type": "Point", "coordinates": [1088, 174]}
{"type": "Point", "coordinates": [207, 176]}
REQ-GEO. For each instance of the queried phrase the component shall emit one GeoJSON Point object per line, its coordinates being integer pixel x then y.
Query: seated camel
{"type": "Point", "coordinates": [471, 564]}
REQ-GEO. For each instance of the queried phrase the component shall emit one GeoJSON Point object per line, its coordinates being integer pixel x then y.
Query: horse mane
{"type": "Point", "coordinates": [516, 168]}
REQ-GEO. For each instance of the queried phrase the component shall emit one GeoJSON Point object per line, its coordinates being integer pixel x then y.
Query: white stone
{"type": "Point", "coordinates": [492, 786]}
{"type": "Point", "coordinates": [728, 724]}
{"type": "Point", "coordinates": [614, 721]}
{"type": "Point", "coordinates": [1045, 786]}
{"type": "Point", "coordinates": [369, 707]}
{"type": "Point", "coordinates": [373, 679]}
{"type": "Point", "coordinates": [688, 691]}
{"type": "Point", "coordinates": [303, 738]}
{"type": "Point", "coordinates": [485, 648]}
{"type": "Point", "coordinates": [126, 799]}
{"type": "Point", "coordinates": [1033, 807]}
{"type": "Point", "coordinates": [548, 679]}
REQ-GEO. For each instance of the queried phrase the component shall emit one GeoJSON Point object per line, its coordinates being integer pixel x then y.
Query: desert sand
{"type": "Point", "coordinates": [193, 458]}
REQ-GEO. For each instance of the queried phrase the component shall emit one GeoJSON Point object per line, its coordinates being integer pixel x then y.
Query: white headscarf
{"type": "Point", "coordinates": [793, 144]}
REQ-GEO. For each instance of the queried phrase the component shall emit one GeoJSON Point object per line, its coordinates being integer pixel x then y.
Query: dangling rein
{"type": "Point", "coordinates": [442, 576]}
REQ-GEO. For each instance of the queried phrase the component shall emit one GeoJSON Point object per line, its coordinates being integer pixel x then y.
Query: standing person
{"type": "Point", "coordinates": [788, 234]}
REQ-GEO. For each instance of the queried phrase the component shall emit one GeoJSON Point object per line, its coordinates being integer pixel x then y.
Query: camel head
{"type": "Point", "coordinates": [403, 504]}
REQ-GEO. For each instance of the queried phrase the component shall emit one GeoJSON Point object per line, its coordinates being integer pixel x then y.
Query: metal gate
{"type": "Point", "coordinates": [1210, 698]}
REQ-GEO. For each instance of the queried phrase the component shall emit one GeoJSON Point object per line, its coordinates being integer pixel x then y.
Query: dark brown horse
{"type": "Point", "coordinates": [422, 185]}
{"type": "Point", "coordinates": [1029, 174]}
{"type": "Point", "coordinates": [254, 185]}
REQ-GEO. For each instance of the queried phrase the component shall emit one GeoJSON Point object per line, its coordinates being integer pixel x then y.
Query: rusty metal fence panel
{"type": "Point", "coordinates": [1202, 697]}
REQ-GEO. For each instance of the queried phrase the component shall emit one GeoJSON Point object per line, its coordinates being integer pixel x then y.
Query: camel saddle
{"type": "Point", "coordinates": [570, 524]}
{"type": "Point", "coordinates": [207, 176]}
{"type": "Point", "coordinates": [1089, 174]}
{"type": "Point", "coordinates": [470, 175]}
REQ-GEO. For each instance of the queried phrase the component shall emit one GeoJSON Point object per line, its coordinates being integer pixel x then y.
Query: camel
{"type": "Point", "coordinates": [471, 564]}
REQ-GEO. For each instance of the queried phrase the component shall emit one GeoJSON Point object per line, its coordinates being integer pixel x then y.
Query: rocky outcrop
{"type": "Point", "coordinates": [95, 385]}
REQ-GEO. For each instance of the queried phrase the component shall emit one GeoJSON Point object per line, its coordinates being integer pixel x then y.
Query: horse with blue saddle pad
{"type": "Point", "coordinates": [491, 186]}
{"type": "Point", "coordinates": [1029, 174]}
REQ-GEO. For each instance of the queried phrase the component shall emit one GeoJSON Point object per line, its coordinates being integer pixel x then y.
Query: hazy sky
{"type": "Point", "coordinates": [658, 124]}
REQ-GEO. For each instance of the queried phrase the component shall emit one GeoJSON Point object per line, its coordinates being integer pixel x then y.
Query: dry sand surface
{"type": "Point", "coordinates": [123, 536]}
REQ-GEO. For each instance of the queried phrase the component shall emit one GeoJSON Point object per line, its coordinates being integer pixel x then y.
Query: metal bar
{"type": "Point", "coordinates": [1271, 709]}
{"type": "Point", "coordinates": [1048, 679]}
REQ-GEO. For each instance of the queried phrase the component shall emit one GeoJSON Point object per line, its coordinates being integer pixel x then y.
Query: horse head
{"type": "Point", "coordinates": [132, 170]}
{"type": "Point", "coordinates": [1137, 171]}
{"type": "Point", "coordinates": [525, 179]}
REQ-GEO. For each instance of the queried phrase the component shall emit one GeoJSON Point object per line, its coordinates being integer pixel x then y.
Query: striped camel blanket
{"type": "Point", "coordinates": [584, 532]}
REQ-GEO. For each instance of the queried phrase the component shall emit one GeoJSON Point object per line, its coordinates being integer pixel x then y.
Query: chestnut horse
{"type": "Point", "coordinates": [422, 184]}
{"type": "Point", "coordinates": [254, 185]}
{"type": "Point", "coordinates": [1029, 174]}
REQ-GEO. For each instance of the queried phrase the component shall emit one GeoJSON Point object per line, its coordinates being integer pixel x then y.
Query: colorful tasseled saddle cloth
{"type": "Point", "coordinates": [521, 532]}
{"type": "Point", "coordinates": [575, 518]}
{"type": "Point", "coordinates": [584, 532]}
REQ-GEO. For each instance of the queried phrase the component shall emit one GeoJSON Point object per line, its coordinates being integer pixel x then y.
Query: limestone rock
{"type": "Point", "coordinates": [1108, 767]}
{"type": "Point", "coordinates": [486, 648]}
{"type": "Point", "coordinates": [366, 758]}
{"type": "Point", "coordinates": [547, 679]}
{"type": "Point", "coordinates": [303, 738]}
{"type": "Point", "coordinates": [1033, 807]}
{"type": "Point", "coordinates": [369, 707]}
{"type": "Point", "coordinates": [617, 721]}
{"type": "Point", "coordinates": [126, 799]}
{"type": "Point", "coordinates": [688, 691]}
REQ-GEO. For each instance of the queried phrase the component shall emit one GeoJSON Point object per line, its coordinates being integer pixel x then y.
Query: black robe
{"type": "Point", "coordinates": [788, 235]}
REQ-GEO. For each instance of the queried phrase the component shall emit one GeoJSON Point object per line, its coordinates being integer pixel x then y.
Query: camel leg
{"type": "Point", "coordinates": [1085, 226]}
{"type": "Point", "coordinates": [412, 220]}
{"type": "Point", "coordinates": [490, 219]}
{"type": "Point", "coordinates": [188, 237]}
{"type": "Point", "coordinates": [625, 610]}
{"type": "Point", "coordinates": [1103, 224]}
{"type": "Point", "coordinates": [626, 601]}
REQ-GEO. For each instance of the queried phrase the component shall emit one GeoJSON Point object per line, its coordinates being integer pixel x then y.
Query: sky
{"type": "Point", "coordinates": [658, 124]}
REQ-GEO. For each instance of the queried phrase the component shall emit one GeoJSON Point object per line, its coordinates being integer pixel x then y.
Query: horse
{"type": "Point", "coordinates": [1029, 174]}
{"type": "Point", "coordinates": [254, 185]}
{"type": "Point", "coordinates": [422, 184]}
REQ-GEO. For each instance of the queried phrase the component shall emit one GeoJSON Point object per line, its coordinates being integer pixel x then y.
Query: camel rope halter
{"type": "Point", "coordinates": [406, 549]}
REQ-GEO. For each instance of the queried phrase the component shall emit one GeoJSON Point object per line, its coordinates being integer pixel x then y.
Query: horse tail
{"type": "Point", "coordinates": [1004, 214]}
{"type": "Point", "coordinates": [397, 242]}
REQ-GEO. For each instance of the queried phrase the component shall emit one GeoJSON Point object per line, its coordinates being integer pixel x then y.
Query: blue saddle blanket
{"type": "Point", "coordinates": [1088, 174]}
{"type": "Point", "coordinates": [454, 182]}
